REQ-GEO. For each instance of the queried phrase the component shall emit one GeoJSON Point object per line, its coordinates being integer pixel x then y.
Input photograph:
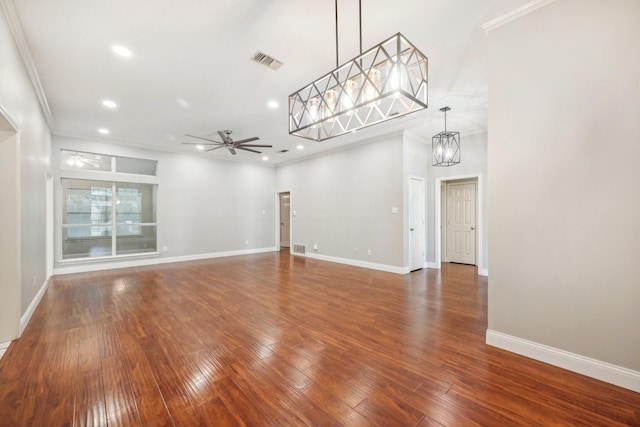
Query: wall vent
{"type": "Point", "coordinates": [299, 249]}
{"type": "Point", "coordinates": [266, 60]}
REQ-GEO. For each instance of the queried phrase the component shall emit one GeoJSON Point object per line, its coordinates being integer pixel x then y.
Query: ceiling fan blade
{"type": "Point", "coordinates": [206, 139]}
{"type": "Point", "coordinates": [255, 145]}
{"type": "Point", "coordinates": [242, 141]}
{"type": "Point", "coordinates": [214, 148]}
{"type": "Point", "coordinates": [232, 151]}
{"type": "Point", "coordinates": [200, 143]}
{"type": "Point", "coordinates": [249, 149]}
{"type": "Point", "coordinates": [225, 138]}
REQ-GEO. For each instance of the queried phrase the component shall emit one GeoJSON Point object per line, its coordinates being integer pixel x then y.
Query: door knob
{"type": "Point", "coordinates": [411, 229]}
{"type": "Point", "coordinates": [473, 228]}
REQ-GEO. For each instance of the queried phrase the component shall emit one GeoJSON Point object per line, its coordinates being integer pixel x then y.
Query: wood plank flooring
{"type": "Point", "coordinates": [275, 340]}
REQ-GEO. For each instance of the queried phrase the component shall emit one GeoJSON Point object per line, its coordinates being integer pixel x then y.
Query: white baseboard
{"type": "Point", "coordinates": [433, 265]}
{"type": "Point", "coordinates": [483, 271]}
{"type": "Point", "coordinates": [26, 317]}
{"type": "Point", "coordinates": [358, 263]}
{"type": "Point", "coordinates": [139, 262]}
{"type": "Point", "coordinates": [593, 368]}
{"type": "Point", "coordinates": [3, 347]}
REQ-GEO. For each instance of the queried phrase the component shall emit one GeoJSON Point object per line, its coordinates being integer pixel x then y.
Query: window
{"type": "Point", "coordinates": [91, 162]}
{"type": "Point", "coordinates": [88, 206]}
{"type": "Point", "coordinates": [85, 161]}
{"type": "Point", "coordinates": [90, 211]}
{"type": "Point", "coordinates": [136, 166]}
{"type": "Point", "coordinates": [129, 211]}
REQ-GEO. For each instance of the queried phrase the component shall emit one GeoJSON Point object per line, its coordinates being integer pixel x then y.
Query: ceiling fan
{"type": "Point", "coordinates": [228, 143]}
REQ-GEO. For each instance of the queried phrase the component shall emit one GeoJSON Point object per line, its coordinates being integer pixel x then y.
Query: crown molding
{"type": "Point", "coordinates": [513, 15]}
{"type": "Point", "coordinates": [23, 47]}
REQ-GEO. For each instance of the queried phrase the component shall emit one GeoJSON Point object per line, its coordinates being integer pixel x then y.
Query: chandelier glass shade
{"type": "Point", "coordinates": [446, 145]}
{"type": "Point", "coordinates": [387, 81]}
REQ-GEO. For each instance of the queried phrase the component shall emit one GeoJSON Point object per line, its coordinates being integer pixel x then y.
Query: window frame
{"type": "Point", "coordinates": [114, 236]}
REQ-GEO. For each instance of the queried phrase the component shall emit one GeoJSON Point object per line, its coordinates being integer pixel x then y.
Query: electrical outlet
{"type": "Point", "coordinates": [34, 280]}
{"type": "Point", "coordinates": [369, 252]}
{"type": "Point", "coordinates": [315, 246]}
{"type": "Point", "coordinates": [246, 243]}
{"type": "Point", "coordinates": [165, 249]}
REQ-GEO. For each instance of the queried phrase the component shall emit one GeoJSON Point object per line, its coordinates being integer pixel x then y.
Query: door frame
{"type": "Point", "coordinates": [277, 218]}
{"type": "Point", "coordinates": [13, 298]}
{"type": "Point", "coordinates": [445, 222]}
{"type": "Point", "coordinates": [480, 256]}
{"type": "Point", "coordinates": [424, 222]}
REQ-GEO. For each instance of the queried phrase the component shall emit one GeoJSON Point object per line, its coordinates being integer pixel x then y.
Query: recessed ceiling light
{"type": "Point", "coordinates": [109, 103]}
{"type": "Point", "coordinates": [103, 131]}
{"type": "Point", "coordinates": [200, 147]}
{"type": "Point", "coordinates": [273, 104]}
{"type": "Point", "coordinates": [265, 158]}
{"type": "Point", "coordinates": [300, 147]}
{"type": "Point", "coordinates": [121, 50]}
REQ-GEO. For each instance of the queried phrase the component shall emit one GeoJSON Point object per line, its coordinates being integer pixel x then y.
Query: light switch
{"type": "Point", "coordinates": [394, 210]}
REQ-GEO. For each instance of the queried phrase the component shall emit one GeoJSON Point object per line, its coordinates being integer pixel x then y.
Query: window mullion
{"type": "Point", "coordinates": [114, 219]}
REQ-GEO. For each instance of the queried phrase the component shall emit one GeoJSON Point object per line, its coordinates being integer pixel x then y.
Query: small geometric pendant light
{"type": "Point", "coordinates": [446, 145]}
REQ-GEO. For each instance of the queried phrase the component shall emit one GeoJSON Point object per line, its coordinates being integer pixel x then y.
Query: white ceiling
{"type": "Point", "coordinates": [190, 71]}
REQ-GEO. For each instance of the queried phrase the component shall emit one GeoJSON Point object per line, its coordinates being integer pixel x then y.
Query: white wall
{"type": "Point", "coordinates": [564, 109]}
{"type": "Point", "coordinates": [19, 101]}
{"type": "Point", "coordinates": [343, 202]}
{"type": "Point", "coordinates": [204, 206]}
{"type": "Point", "coordinates": [473, 162]}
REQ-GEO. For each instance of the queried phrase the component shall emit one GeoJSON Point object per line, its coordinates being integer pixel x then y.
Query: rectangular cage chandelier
{"type": "Point", "coordinates": [446, 145]}
{"type": "Point", "coordinates": [385, 82]}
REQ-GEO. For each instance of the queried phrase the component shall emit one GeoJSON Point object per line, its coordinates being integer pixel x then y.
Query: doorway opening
{"type": "Point", "coordinates": [459, 226]}
{"type": "Point", "coordinates": [284, 220]}
{"type": "Point", "coordinates": [459, 221]}
{"type": "Point", "coordinates": [9, 232]}
{"type": "Point", "coordinates": [416, 224]}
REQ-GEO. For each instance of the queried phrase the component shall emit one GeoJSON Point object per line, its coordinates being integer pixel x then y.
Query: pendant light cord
{"type": "Point", "coordinates": [360, 21]}
{"type": "Point", "coordinates": [337, 62]}
{"type": "Point", "coordinates": [360, 28]}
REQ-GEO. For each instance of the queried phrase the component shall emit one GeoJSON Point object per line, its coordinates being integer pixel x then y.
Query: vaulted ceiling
{"type": "Point", "coordinates": [190, 70]}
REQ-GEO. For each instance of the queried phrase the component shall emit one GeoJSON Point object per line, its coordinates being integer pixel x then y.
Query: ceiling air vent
{"type": "Point", "coordinates": [283, 151]}
{"type": "Point", "coordinates": [266, 60]}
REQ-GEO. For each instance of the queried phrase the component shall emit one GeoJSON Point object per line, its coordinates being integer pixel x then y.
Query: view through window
{"type": "Point", "coordinates": [103, 218]}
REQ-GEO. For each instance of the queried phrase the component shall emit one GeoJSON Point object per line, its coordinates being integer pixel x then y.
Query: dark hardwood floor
{"type": "Point", "coordinates": [276, 340]}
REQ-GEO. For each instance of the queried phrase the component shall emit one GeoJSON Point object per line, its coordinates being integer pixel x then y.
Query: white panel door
{"type": "Point", "coordinates": [416, 224]}
{"type": "Point", "coordinates": [461, 223]}
{"type": "Point", "coordinates": [285, 218]}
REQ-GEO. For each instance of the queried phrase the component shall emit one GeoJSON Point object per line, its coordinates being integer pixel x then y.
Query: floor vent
{"type": "Point", "coordinates": [266, 60]}
{"type": "Point", "coordinates": [299, 249]}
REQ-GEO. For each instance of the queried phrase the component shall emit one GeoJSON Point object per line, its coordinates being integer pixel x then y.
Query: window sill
{"type": "Point", "coordinates": [85, 260]}
{"type": "Point", "coordinates": [119, 236]}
